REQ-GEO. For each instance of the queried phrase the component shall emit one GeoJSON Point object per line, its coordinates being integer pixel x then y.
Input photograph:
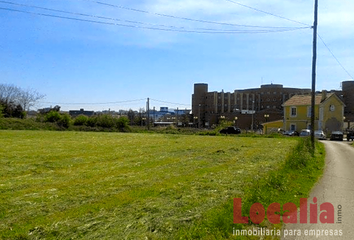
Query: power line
{"type": "Point", "coordinates": [127, 101]}
{"type": "Point", "coordinates": [169, 102]}
{"type": "Point", "coordinates": [335, 57]}
{"type": "Point", "coordinates": [154, 28]}
{"type": "Point", "coordinates": [268, 13]}
{"type": "Point", "coordinates": [135, 22]}
{"type": "Point", "coordinates": [181, 18]}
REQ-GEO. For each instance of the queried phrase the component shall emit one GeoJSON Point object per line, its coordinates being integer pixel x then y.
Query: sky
{"type": "Point", "coordinates": [114, 54]}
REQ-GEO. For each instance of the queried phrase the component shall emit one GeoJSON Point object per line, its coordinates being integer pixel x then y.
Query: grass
{"type": "Point", "coordinates": [75, 185]}
{"type": "Point", "coordinates": [291, 180]}
{"type": "Point", "coordinates": [26, 124]}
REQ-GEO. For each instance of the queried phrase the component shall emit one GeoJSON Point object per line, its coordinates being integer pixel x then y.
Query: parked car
{"type": "Point", "coordinates": [291, 133]}
{"type": "Point", "coordinates": [305, 133]}
{"type": "Point", "coordinates": [320, 135]}
{"type": "Point", "coordinates": [230, 130]}
{"type": "Point", "coordinates": [350, 136]}
{"type": "Point", "coordinates": [337, 135]}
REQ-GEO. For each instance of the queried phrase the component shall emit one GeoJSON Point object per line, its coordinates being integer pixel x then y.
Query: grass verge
{"type": "Point", "coordinates": [79, 185]}
{"type": "Point", "coordinates": [288, 182]}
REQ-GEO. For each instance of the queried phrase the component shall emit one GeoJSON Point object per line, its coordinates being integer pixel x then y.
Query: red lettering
{"type": "Point", "coordinates": [313, 211]}
{"type": "Point", "coordinates": [257, 213]}
{"type": "Point", "coordinates": [328, 216]}
{"type": "Point", "coordinates": [272, 217]}
{"type": "Point", "coordinates": [303, 210]}
{"type": "Point", "coordinates": [291, 215]}
{"type": "Point", "coordinates": [238, 212]}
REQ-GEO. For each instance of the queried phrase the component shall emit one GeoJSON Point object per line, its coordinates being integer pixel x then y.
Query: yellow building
{"type": "Point", "coordinates": [329, 112]}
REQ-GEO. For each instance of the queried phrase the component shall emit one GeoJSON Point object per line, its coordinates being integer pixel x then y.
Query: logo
{"type": "Point", "coordinates": [325, 213]}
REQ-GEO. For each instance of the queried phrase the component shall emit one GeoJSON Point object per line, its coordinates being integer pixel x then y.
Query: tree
{"type": "Point", "coordinates": [122, 123]}
{"type": "Point", "coordinates": [13, 95]}
{"type": "Point", "coordinates": [131, 116]}
{"type": "Point", "coordinates": [1, 111]}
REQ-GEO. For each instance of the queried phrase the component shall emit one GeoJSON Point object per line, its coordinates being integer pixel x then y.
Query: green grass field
{"type": "Point", "coordinates": [72, 185]}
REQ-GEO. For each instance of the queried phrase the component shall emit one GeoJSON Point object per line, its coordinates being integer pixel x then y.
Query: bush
{"type": "Point", "coordinates": [1, 111]}
{"type": "Point", "coordinates": [122, 123]}
{"type": "Point", "coordinates": [10, 110]}
{"type": "Point", "coordinates": [105, 121]}
{"type": "Point", "coordinates": [80, 120]}
{"type": "Point", "coordinates": [91, 121]}
{"type": "Point", "coordinates": [26, 124]}
{"type": "Point", "coordinates": [52, 116]}
{"type": "Point", "coordinates": [64, 120]}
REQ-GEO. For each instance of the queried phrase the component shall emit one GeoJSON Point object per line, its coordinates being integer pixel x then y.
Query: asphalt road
{"type": "Point", "coordinates": [336, 187]}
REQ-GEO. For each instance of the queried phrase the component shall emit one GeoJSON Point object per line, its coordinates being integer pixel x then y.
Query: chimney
{"type": "Point", "coordinates": [324, 95]}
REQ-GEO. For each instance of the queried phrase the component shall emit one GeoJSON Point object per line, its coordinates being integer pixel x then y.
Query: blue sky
{"type": "Point", "coordinates": [99, 66]}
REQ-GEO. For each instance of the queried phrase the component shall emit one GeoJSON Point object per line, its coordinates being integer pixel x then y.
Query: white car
{"type": "Point", "coordinates": [305, 133]}
{"type": "Point", "coordinates": [320, 135]}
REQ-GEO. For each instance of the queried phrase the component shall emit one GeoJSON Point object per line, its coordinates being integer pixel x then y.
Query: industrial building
{"type": "Point", "coordinates": [249, 108]}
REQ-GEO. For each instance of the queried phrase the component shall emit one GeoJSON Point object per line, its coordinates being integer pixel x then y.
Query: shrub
{"type": "Point", "coordinates": [52, 116]}
{"type": "Point", "coordinates": [1, 111]}
{"type": "Point", "coordinates": [122, 123]}
{"type": "Point", "coordinates": [105, 121]}
{"type": "Point", "coordinates": [80, 120]}
{"type": "Point", "coordinates": [91, 121]}
{"type": "Point", "coordinates": [64, 120]}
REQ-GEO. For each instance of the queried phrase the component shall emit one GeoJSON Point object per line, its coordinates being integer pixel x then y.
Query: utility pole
{"type": "Point", "coordinates": [313, 92]}
{"type": "Point", "coordinates": [154, 116]}
{"type": "Point", "coordinates": [252, 114]}
{"type": "Point", "coordinates": [148, 113]}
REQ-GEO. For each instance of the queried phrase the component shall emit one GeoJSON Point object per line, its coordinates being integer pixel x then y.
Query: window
{"type": "Point", "coordinates": [293, 112]}
{"type": "Point", "coordinates": [321, 114]}
{"type": "Point", "coordinates": [309, 111]}
{"type": "Point", "coordinates": [292, 127]}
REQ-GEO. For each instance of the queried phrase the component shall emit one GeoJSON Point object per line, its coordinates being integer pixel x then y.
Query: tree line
{"type": "Point", "coordinates": [15, 101]}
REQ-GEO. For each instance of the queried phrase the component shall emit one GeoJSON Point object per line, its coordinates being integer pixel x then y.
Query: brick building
{"type": "Point", "coordinates": [251, 107]}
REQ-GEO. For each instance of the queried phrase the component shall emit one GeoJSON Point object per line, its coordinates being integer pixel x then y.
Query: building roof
{"type": "Point", "coordinates": [305, 100]}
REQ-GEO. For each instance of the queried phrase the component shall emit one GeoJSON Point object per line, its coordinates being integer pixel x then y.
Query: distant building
{"type": "Point", "coordinates": [209, 108]}
{"type": "Point", "coordinates": [329, 112]}
{"type": "Point", "coordinates": [249, 108]}
{"type": "Point", "coordinates": [48, 109]}
{"type": "Point", "coordinates": [166, 114]}
{"type": "Point", "coordinates": [75, 113]}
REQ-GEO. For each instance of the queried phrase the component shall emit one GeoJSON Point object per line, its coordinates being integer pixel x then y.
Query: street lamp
{"type": "Point", "coordinates": [222, 118]}
{"type": "Point", "coordinates": [266, 116]}
{"type": "Point", "coordinates": [236, 121]}
{"type": "Point", "coordinates": [195, 119]}
{"type": "Point", "coordinates": [252, 113]}
{"type": "Point", "coordinates": [348, 120]}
